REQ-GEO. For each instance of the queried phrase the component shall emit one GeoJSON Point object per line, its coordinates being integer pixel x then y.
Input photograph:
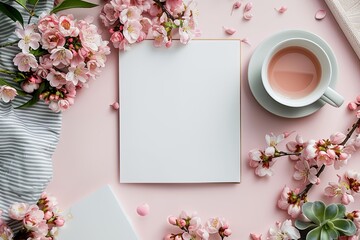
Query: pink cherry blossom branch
{"type": "Point", "coordinates": [348, 135]}
{"type": "Point", "coordinates": [163, 8]}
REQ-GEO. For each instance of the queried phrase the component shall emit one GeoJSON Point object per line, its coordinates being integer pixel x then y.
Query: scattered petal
{"type": "Point", "coordinates": [245, 40]}
{"type": "Point", "coordinates": [247, 15]}
{"type": "Point", "coordinates": [255, 236]}
{"type": "Point", "coordinates": [320, 14]}
{"type": "Point", "coordinates": [229, 31]}
{"type": "Point", "coordinates": [282, 9]}
{"type": "Point", "coordinates": [143, 210]}
{"type": "Point", "coordinates": [236, 5]}
{"type": "Point", "coordinates": [115, 106]}
{"type": "Point", "coordinates": [248, 6]}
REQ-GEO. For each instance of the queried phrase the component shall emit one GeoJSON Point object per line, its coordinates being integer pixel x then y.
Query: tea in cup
{"type": "Point", "coordinates": [297, 72]}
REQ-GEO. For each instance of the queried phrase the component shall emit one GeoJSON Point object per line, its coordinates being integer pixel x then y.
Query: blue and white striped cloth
{"type": "Point", "coordinates": [28, 137]}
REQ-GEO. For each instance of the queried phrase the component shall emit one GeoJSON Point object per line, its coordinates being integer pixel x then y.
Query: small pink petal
{"type": "Point", "coordinates": [115, 106]}
{"type": "Point", "coordinates": [320, 14]}
{"type": "Point", "coordinates": [247, 15]}
{"type": "Point", "coordinates": [255, 236]}
{"type": "Point", "coordinates": [248, 6]}
{"type": "Point", "coordinates": [236, 5]}
{"type": "Point", "coordinates": [143, 210]}
{"type": "Point", "coordinates": [229, 31]}
{"type": "Point", "coordinates": [282, 9]}
{"type": "Point", "coordinates": [245, 40]}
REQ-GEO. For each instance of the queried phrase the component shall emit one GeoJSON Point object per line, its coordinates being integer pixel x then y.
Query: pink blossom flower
{"type": "Point", "coordinates": [130, 13]}
{"type": "Point", "coordinates": [132, 30]}
{"type": "Point", "coordinates": [6, 232]}
{"type": "Point", "coordinates": [296, 147]}
{"type": "Point", "coordinates": [284, 231]}
{"type": "Point", "coordinates": [116, 38]}
{"type": "Point", "coordinates": [28, 37]}
{"type": "Point", "coordinates": [52, 39]}
{"type": "Point", "coordinates": [213, 225]}
{"type": "Point", "coordinates": [54, 106]}
{"type": "Point", "coordinates": [61, 55]}
{"type": "Point", "coordinates": [262, 161]}
{"type": "Point", "coordinates": [47, 22]}
{"type": "Point", "coordinates": [273, 140]}
{"type": "Point", "coordinates": [67, 26]}
{"type": "Point", "coordinates": [290, 201]}
{"type": "Point", "coordinates": [173, 4]}
{"type": "Point", "coordinates": [203, 234]}
{"type": "Point", "coordinates": [160, 36]}
{"type": "Point", "coordinates": [7, 93]}
{"type": "Point", "coordinates": [25, 61]}
{"type": "Point", "coordinates": [186, 32]}
{"type": "Point", "coordinates": [89, 36]}
{"type": "Point", "coordinates": [29, 87]}
{"type": "Point", "coordinates": [77, 74]}
{"type": "Point", "coordinates": [56, 79]}
{"type": "Point", "coordinates": [109, 15]}
{"type": "Point", "coordinates": [305, 172]}
{"type": "Point", "coordinates": [33, 218]}
{"type": "Point", "coordinates": [337, 138]}
{"type": "Point", "coordinates": [17, 211]}
{"type": "Point", "coordinates": [352, 179]}
{"type": "Point", "coordinates": [340, 189]}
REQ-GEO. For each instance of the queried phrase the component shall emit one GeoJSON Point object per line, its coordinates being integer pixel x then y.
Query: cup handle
{"type": "Point", "coordinates": [332, 97]}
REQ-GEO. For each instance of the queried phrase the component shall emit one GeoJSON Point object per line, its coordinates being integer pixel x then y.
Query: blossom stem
{"type": "Point", "coordinates": [281, 154]}
{"type": "Point", "coordinates": [163, 8]}
{"type": "Point", "coordinates": [7, 72]}
{"type": "Point", "coordinates": [9, 44]}
{"type": "Point", "coordinates": [32, 11]}
{"type": "Point", "coordinates": [348, 135]}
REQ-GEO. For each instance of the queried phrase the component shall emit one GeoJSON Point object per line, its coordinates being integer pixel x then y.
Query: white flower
{"type": "Point", "coordinates": [7, 93]}
{"type": "Point", "coordinates": [28, 37]}
{"type": "Point", "coordinates": [284, 231]}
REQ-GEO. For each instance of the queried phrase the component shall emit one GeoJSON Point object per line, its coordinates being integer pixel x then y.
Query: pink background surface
{"type": "Point", "coordinates": [87, 155]}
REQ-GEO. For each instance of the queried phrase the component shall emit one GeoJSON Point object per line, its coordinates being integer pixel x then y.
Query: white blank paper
{"type": "Point", "coordinates": [180, 113]}
{"type": "Point", "coordinates": [98, 216]}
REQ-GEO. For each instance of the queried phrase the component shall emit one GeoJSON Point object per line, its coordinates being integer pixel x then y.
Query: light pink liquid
{"type": "Point", "coordinates": [294, 72]}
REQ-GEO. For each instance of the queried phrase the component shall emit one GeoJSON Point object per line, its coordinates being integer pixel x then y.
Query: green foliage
{"type": "Point", "coordinates": [11, 12]}
{"type": "Point", "coordinates": [35, 98]}
{"type": "Point", "coordinates": [326, 222]}
{"type": "Point", "coordinates": [22, 3]}
{"type": "Point", "coordinates": [67, 4]}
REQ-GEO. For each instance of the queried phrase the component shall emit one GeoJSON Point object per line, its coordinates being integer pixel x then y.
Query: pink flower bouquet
{"type": "Point", "coordinates": [59, 55]}
{"type": "Point", "coordinates": [131, 21]}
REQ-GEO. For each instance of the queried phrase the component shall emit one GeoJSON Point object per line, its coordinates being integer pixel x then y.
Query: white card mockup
{"type": "Point", "coordinates": [98, 216]}
{"type": "Point", "coordinates": [180, 113]}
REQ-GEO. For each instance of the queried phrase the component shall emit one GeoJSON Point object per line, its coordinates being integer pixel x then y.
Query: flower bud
{"type": "Point", "coordinates": [59, 222]}
{"type": "Point", "coordinates": [227, 232]}
{"type": "Point", "coordinates": [172, 220]}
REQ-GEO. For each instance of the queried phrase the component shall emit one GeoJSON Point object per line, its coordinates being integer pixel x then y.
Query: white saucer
{"type": "Point", "coordinates": [255, 82]}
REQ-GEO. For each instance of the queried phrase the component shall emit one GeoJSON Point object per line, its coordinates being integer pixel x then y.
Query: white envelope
{"type": "Point", "coordinates": [98, 216]}
{"type": "Point", "coordinates": [180, 112]}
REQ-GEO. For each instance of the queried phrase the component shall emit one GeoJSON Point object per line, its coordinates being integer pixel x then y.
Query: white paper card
{"type": "Point", "coordinates": [98, 216]}
{"type": "Point", "coordinates": [180, 113]}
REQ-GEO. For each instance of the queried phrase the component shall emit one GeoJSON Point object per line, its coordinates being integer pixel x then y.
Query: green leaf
{"type": "Point", "coordinates": [331, 211]}
{"type": "Point", "coordinates": [314, 234]}
{"type": "Point", "coordinates": [308, 210]}
{"type": "Point", "coordinates": [324, 234]}
{"type": "Point", "coordinates": [33, 2]}
{"type": "Point", "coordinates": [341, 211]}
{"type": "Point", "coordinates": [35, 97]}
{"type": "Point", "coordinates": [67, 4]}
{"type": "Point", "coordinates": [319, 210]}
{"type": "Point", "coordinates": [11, 12]}
{"type": "Point", "coordinates": [345, 226]}
{"type": "Point", "coordinates": [22, 3]}
{"type": "Point", "coordinates": [304, 225]}
{"type": "Point", "coordinates": [333, 233]}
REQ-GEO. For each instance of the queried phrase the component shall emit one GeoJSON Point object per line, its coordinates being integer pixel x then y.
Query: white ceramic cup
{"type": "Point", "coordinates": [322, 90]}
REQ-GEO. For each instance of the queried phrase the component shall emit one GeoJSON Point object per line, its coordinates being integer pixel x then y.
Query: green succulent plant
{"type": "Point", "coordinates": [327, 222]}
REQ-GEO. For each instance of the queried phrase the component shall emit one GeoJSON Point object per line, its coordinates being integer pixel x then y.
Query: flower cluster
{"type": "Point", "coordinates": [59, 55]}
{"type": "Point", "coordinates": [40, 221]}
{"type": "Point", "coordinates": [346, 187]}
{"type": "Point", "coordinates": [310, 159]}
{"type": "Point", "coordinates": [282, 231]}
{"type": "Point", "coordinates": [131, 22]}
{"type": "Point", "coordinates": [192, 228]}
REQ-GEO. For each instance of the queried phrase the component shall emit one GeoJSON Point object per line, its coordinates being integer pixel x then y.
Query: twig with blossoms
{"type": "Point", "coordinates": [192, 228]}
{"type": "Point", "coordinates": [41, 221]}
{"type": "Point", "coordinates": [131, 22]}
{"type": "Point", "coordinates": [311, 158]}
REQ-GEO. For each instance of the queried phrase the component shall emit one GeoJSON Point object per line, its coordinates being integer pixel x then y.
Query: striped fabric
{"type": "Point", "coordinates": [28, 137]}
